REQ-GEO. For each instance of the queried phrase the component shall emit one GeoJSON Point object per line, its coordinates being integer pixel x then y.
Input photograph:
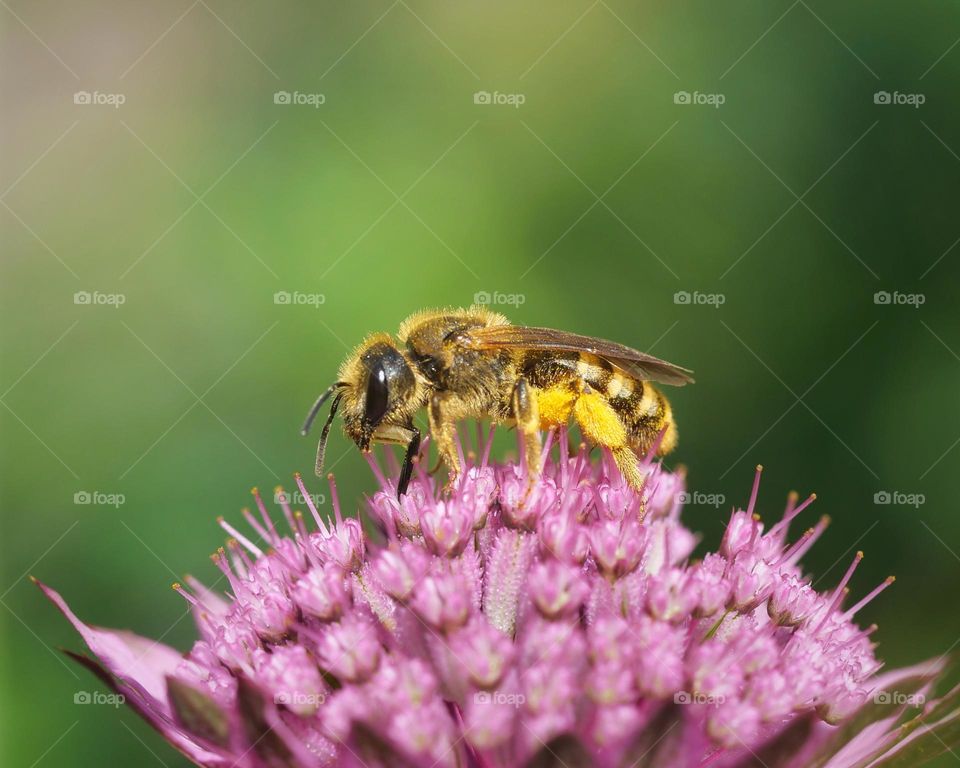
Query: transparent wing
{"type": "Point", "coordinates": [638, 364]}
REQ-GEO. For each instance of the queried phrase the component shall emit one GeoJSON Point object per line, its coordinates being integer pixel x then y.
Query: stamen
{"type": "Point", "coordinates": [418, 463]}
{"type": "Point", "coordinates": [459, 444]}
{"type": "Point", "coordinates": [791, 502]}
{"type": "Point", "coordinates": [253, 523]}
{"type": "Point", "coordinates": [202, 611]}
{"type": "Point", "coordinates": [309, 501]}
{"type": "Point", "coordinates": [792, 511]}
{"type": "Point", "coordinates": [335, 497]}
{"type": "Point", "coordinates": [791, 551]}
{"type": "Point", "coordinates": [208, 598]}
{"type": "Point", "coordinates": [375, 468]}
{"type": "Point", "coordinates": [245, 564]}
{"type": "Point", "coordinates": [800, 551]}
{"type": "Point", "coordinates": [285, 506]}
{"type": "Point", "coordinates": [267, 521]}
{"type": "Point", "coordinates": [840, 591]}
{"type": "Point", "coordinates": [582, 459]}
{"type": "Point", "coordinates": [882, 586]}
{"type": "Point", "coordinates": [219, 559]}
{"type": "Point", "coordinates": [177, 587]}
{"type": "Point", "coordinates": [655, 446]}
{"type": "Point", "coordinates": [757, 528]}
{"type": "Point", "coordinates": [756, 489]}
{"type": "Point", "coordinates": [487, 446]}
{"type": "Point", "coordinates": [390, 459]}
{"type": "Point", "coordinates": [545, 452]}
{"type": "Point", "coordinates": [849, 574]}
{"type": "Point", "coordinates": [563, 441]}
{"type": "Point", "coordinates": [300, 527]}
{"type": "Point", "coordinates": [253, 548]}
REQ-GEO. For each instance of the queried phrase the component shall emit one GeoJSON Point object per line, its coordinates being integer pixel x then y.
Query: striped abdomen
{"type": "Point", "coordinates": [561, 378]}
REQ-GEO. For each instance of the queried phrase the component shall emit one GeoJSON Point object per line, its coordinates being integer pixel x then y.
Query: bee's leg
{"type": "Point", "coordinates": [601, 425]}
{"type": "Point", "coordinates": [444, 430]}
{"type": "Point", "coordinates": [527, 416]}
{"type": "Point", "coordinates": [408, 436]}
{"type": "Point", "coordinates": [413, 449]}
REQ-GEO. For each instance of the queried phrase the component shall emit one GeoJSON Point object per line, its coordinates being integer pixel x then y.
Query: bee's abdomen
{"type": "Point", "coordinates": [640, 406]}
{"type": "Point", "coordinates": [646, 413]}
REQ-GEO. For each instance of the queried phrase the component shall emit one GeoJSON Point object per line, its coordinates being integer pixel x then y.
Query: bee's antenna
{"type": "Point", "coordinates": [318, 405]}
{"type": "Point", "coordinates": [322, 445]}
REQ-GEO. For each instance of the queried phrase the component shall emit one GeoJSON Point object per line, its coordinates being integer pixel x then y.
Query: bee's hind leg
{"type": "Point", "coordinates": [599, 423]}
{"type": "Point", "coordinates": [527, 416]}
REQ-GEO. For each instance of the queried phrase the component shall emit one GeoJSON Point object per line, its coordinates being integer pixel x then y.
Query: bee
{"type": "Point", "coordinates": [473, 364]}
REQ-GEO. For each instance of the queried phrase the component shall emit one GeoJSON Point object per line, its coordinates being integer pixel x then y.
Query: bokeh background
{"type": "Point", "coordinates": [251, 187]}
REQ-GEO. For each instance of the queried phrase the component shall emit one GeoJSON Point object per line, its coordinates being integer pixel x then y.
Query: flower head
{"type": "Point", "coordinates": [497, 626]}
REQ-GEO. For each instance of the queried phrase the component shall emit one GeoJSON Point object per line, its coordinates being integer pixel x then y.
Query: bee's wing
{"type": "Point", "coordinates": [635, 363]}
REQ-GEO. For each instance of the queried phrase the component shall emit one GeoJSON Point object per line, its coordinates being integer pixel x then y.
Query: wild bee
{"type": "Point", "coordinates": [473, 364]}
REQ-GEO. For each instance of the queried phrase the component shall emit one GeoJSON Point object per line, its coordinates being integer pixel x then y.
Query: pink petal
{"type": "Point", "coordinates": [128, 656]}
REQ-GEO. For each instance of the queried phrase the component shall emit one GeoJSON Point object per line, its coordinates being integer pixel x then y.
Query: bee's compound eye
{"type": "Point", "coordinates": [376, 405]}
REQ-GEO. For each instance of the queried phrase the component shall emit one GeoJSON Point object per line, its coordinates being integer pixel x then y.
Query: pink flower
{"type": "Point", "coordinates": [496, 628]}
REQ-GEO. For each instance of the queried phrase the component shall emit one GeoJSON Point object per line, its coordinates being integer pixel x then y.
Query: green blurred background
{"type": "Point", "coordinates": [589, 206]}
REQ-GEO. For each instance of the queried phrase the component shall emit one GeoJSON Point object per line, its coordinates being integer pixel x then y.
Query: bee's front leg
{"type": "Point", "coordinates": [527, 416]}
{"type": "Point", "coordinates": [408, 436]}
{"type": "Point", "coordinates": [443, 428]}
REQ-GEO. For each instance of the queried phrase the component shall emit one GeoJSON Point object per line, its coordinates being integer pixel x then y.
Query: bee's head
{"type": "Point", "coordinates": [375, 389]}
{"type": "Point", "coordinates": [377, 392]}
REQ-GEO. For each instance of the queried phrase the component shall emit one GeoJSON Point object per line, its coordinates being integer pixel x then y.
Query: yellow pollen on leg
{"type": "Point", "coordinates": [554, 406]}
{"type": "Point", "coordinates": [598, 421]}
